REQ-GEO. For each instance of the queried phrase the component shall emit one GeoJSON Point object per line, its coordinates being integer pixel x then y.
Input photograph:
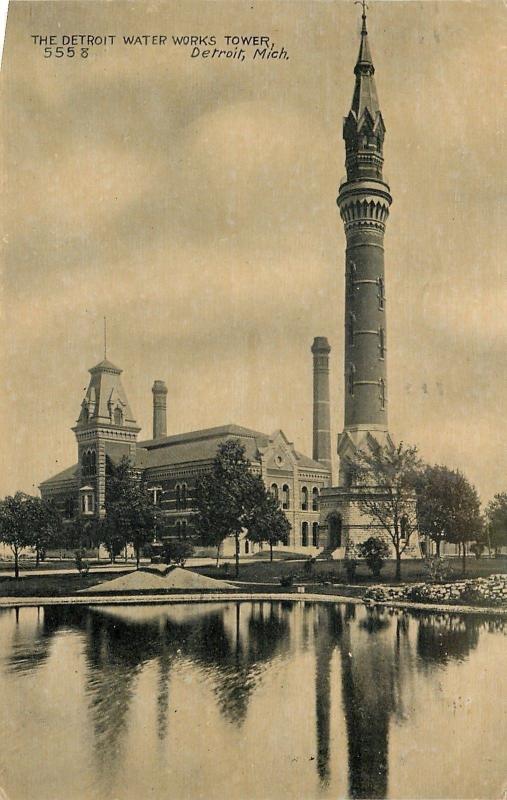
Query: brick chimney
{"type": "Point", "coordinates": [159, 390]}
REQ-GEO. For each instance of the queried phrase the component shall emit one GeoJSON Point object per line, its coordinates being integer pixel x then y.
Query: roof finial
{"type": "Point", "coordinates": [105, 338]}
{"type": "Point", "coordinates": [364, 4]}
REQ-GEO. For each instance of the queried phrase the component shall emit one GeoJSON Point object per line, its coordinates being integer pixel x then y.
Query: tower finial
{"type": "Point", "coordinates": [105, 338]}
{"type": "Point", "coordinates": [364, 4]}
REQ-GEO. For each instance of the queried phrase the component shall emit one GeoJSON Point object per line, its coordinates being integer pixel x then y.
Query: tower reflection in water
{"type": "Point", "coordinates": [365, 664]}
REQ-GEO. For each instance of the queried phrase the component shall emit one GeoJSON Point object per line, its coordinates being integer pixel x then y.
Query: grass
{"type": "Point", "coordinates": [50, 585]}
{"type": "Point", "coordinates": [412, 571]}
{"type": "Point", "coordinates": [28, 564]}
{"type": "Point", "coordinates": [261, 576]}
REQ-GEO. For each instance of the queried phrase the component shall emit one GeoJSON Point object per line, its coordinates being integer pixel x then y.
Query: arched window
{"type": "Point", "coordinates": [380, 293]}
{"type": "Point", "coordinates": [382, 393]}
{"type": "Point", "coordinates": [184, 495]}
{"type": "Point", "coordinates": [381, 342]}
{"type": "Point", "coordinates": [304, 498]}
{"type": "Point", "coordinates": [404, 527]}
{"type": "Point", "coordinates": [85, 463]}
{"type": "Point", "coordinates": [304, 534]}
{"type": "Point", "coordinates": [88, 463]}
{"type": "Point", "coordinates": [178, 528]}
{"type": "Point", "coordinates": [315, 534]}
{"type": "Point", "coordinates": [183, 527]}
{"type": "Point", "coordinates": [350, 380]}
{"type": "Point", "coordinates": [118, 416]}
{"type": "Point", "coordinates": [274, 491]}
{"type": "Point", "coordinates": [315, 499]}
{"type": "Point", "coordinates": [247, 546]}
{"type": "Point", "coordinates": [285, 496]}
{"type": "Point", "coordinates": [178, 495]}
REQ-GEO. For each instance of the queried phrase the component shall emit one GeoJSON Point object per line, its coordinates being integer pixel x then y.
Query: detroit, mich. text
{"type": "Point", "coordinates": [233, 47]}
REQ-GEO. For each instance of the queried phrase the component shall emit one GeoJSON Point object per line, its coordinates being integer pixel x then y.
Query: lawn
{"type": "Point", "coordinates": [51, 585]}
{"type": "Point", "coordinates": [333, 571]}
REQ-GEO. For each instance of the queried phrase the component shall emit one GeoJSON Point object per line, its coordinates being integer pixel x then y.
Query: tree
{"type": "Point", "coordinates": [448, 508]}
{"type": "Point", "coordinates": [374, 551]}
{"type": "Point", "coordinates": [130, 514]}
{"type": "Point", "coordinates": [177, 550]}
{"type": "Point", "coordinates": [44, 523]}
{"type": "Point", "coordinates": [15, 525]}
{"type": "Point", "coordinates": [267, 522]}
{"type": "Point", "coordinates": [225, 499]}
{"type": "Point", "coordinates": [496, 516]}
{"type": "Point", "coordinates": [387, 476]}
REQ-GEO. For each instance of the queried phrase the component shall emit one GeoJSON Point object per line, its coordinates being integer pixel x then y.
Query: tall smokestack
{"type": "Point", "coordinates": [321, 407]}
{"type": "Point", "coordinates": [159, 390]}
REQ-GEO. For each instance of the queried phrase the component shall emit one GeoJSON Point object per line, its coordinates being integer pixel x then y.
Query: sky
{"type": "Point", "coordinates": [192, 202]}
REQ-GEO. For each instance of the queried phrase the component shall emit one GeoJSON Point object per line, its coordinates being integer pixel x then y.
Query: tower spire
{"type": "Point", "coordinates": [364, 199]}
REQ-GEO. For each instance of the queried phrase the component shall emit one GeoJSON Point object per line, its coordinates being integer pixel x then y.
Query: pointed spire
{"type": "Point", "coordinates": [364, 59]}
{"type": "Point", "coordinates": [365, 92]}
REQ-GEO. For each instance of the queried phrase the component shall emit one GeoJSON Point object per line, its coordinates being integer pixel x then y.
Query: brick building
{"type": "Point", "coordinates": [170, 465]}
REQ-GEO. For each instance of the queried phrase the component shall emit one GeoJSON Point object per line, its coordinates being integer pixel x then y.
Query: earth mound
{"type": "Point", "coordinates": [142, 580]}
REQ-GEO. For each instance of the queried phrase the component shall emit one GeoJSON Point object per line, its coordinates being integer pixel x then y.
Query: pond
{"type": "Point", "coordinates": [250, 700]}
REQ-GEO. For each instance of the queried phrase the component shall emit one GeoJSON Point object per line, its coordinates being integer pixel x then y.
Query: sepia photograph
{"type": "Point", "coordinates": [253, 483]}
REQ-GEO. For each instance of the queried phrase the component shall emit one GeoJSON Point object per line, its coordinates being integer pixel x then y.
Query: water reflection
{"type": "Point", "coordinates": [364, 676]}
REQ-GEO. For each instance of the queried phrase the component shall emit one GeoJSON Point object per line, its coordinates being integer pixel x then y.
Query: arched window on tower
{"type": "Point", "coordinates": [381, 342]}
{"type": "Point", "coordinates": [350, 380]}
{"type": "Point", "coordinates": [274, 491]}
{"type": "Point", "coordinates": [85, 463]}
{"type": "Point", "coordinates": [184, 495]}
{"type": "Point", "coordinates": [382, 393]}
{"type": "Point", "coordinates": [93, 462]}
{"type": "Point", "coordinates": [177, 490]}
{"type": "Point", "coordinates": [85, 414]}
{"type": "Point", "coordinates": [285, 496]}
{"type": "Point", "coordinates": [380, 293]}
{"type": "Point", "coordinates": [118, 416]}
{"type": "Point", "coordinates": [315, 499]}
{"type": "Point", "coordinates": [178, 528]}
{"type": "Point", "coordinates": [304, 498]}
{"type": "Point", "coordinates": [183, 528]}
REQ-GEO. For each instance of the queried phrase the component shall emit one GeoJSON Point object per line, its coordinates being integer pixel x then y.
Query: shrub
{"type": "Point", "coordinates": [178, 551]}
{"type": "Point", "coordinates": [374, 551]}
{"type": "Point", "coordinates": [439, 569]}
{"type": "Point", "coordinates": [226, 568]}
{"type": "Point", "coordinates": [309, 566]}
{"type": "Point", "coordinates": [350, 569]}
{"type": "Point", "coordinates": [82, 565]}
{"type": "Point", "coordinates": [287, 580]}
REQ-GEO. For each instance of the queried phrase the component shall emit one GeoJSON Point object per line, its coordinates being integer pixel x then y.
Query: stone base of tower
{"type": "Point", "coordinates": [343, 526]}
